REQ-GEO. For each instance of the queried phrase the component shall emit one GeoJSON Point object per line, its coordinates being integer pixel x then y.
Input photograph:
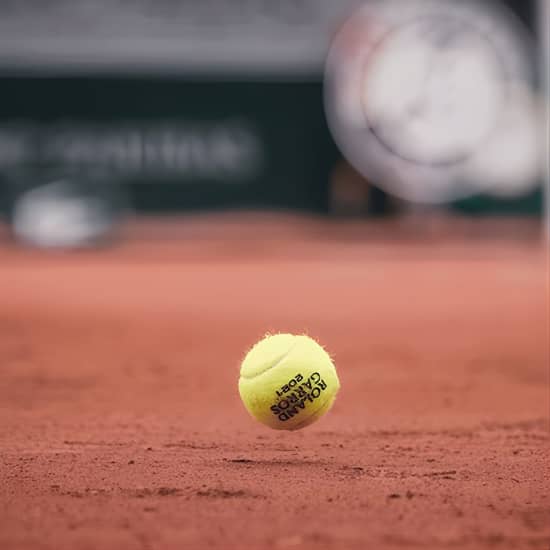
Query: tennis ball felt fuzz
{"type": "Point", "coordinates": [288, 381]}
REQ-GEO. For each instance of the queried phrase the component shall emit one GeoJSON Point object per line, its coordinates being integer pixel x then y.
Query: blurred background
{"type": "Point", "coordinates": [348, 109]}
{"type": "Point", "coordinates": [371, 172]}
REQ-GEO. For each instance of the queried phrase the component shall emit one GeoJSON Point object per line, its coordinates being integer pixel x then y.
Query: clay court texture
{"type": "Point", "coordinates": [121, 426]}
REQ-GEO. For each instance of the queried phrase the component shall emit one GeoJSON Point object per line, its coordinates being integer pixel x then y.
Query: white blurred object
{"type": "Point", "coordinates": [417, 91]}
{"type": "Point", "coordinates": [510, 162]}
{"type": "Point", "coordinates": [54, 216]}
{"type": "Point", "coordinates": [438, 117]}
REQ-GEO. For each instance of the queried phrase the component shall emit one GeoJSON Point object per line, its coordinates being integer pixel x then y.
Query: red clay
{"type": "Point", "coordinates": [121, 425]}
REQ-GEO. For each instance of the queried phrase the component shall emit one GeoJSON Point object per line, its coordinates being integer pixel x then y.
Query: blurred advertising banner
{"type": "Point", "coordinates": [181, 105]}
{"type": "Point", "coordinates": [173, 143]}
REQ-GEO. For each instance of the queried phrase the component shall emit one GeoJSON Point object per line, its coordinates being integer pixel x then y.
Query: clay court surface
{"type": "Point", "coordinates": [121, 426]}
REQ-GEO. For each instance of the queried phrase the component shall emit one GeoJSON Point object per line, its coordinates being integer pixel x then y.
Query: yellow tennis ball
{"type": "Point", "coordinates": [287, 382]}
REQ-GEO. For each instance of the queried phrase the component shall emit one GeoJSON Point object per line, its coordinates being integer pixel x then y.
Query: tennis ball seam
{"type": "Point", "coordinates": [273, 365]}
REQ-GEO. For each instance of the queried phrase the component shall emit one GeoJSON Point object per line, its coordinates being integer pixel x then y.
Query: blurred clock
{"type": "Point", "coordinates": [418, 100]}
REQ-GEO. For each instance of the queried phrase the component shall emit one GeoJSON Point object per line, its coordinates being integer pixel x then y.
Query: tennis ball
{"type": "Point", "coordinates": [287, 382]}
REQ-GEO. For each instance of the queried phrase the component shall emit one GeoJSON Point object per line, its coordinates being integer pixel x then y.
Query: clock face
{"type": "Point", "coordinates": [416, 90]}
{"type": "Point", "coordinates": [432, 90]}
